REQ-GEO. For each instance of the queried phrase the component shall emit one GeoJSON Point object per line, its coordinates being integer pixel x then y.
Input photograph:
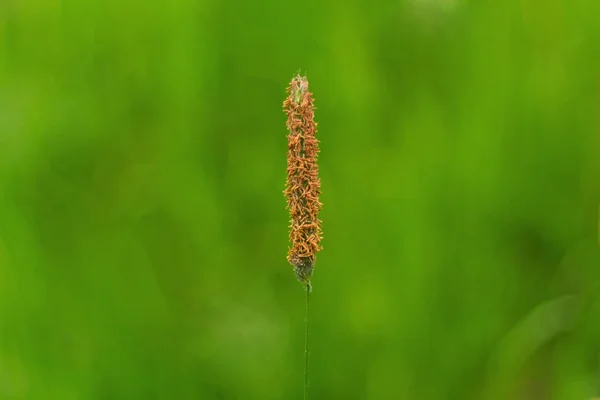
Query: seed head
{"type": "Point", "coordinates": [303, 186]}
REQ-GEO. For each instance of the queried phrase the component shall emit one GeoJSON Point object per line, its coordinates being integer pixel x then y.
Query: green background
{"type": "Point", "coordinates": [143, 229]}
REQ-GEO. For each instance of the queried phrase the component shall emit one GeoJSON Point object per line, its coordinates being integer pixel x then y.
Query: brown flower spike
{"type": "Point", "coordinates": [303, 186]}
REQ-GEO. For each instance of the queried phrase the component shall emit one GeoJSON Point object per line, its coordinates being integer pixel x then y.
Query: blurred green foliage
{"type": "Point", "coordinates": [143, 230]}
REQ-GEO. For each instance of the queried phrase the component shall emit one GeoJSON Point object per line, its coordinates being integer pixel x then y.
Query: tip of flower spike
{"type": "Point", "coordinates": [299, 87]}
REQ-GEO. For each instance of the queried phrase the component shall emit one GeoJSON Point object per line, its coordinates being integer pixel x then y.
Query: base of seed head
{"type": "Point", "coordinates": [303, 267]}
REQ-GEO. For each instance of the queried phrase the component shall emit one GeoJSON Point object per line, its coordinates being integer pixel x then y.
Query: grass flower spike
{"type": "Point", "coordinates": [303, 186]}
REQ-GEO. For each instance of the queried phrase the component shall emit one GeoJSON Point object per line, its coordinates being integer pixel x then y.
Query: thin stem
{"type": "Point", "coordinates": [306, 344]}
